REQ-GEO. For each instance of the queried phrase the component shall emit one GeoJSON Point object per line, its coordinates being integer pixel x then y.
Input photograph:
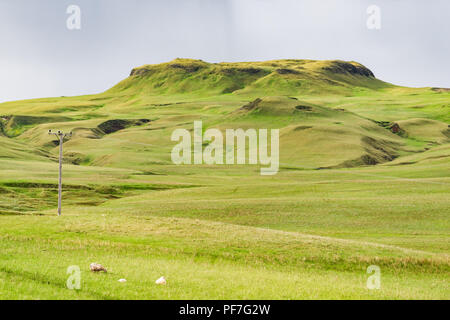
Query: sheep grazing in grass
{"type": "Point", "coordinates": [161, 280]}
{"type": "Point", "coordinates": [95, 267]}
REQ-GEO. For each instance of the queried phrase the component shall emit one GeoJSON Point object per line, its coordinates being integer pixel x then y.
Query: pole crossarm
{"type": "Point", "coordinates": [61, 135]}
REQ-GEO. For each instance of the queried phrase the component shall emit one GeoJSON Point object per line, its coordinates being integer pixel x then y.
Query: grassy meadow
{"type": "Point", "coordinates": [364, 180]}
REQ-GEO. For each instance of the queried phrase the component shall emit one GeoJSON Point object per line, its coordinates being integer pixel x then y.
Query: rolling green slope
{"type": "Point", "coordinates": [331, 113]}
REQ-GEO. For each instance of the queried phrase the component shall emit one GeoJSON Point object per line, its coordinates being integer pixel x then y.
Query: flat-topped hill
{"type": "Point", "coordinates": [274, 77]}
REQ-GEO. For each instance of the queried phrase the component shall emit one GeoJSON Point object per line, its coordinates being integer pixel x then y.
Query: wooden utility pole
{"type": "Point", "coordinates": [61, 135]}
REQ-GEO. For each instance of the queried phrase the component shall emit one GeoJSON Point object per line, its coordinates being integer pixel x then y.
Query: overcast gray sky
{"type": "Point", "coordinates": [41, 57]}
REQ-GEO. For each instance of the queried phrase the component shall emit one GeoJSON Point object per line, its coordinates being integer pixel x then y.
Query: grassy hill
{"type": "Point", "coordinates": [364, 179]}
{"type": "Point", "coordinates": [277, 77]}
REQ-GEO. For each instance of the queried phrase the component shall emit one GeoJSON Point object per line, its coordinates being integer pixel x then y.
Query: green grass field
{"type": "Point", "coordinates": [364, 180]}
